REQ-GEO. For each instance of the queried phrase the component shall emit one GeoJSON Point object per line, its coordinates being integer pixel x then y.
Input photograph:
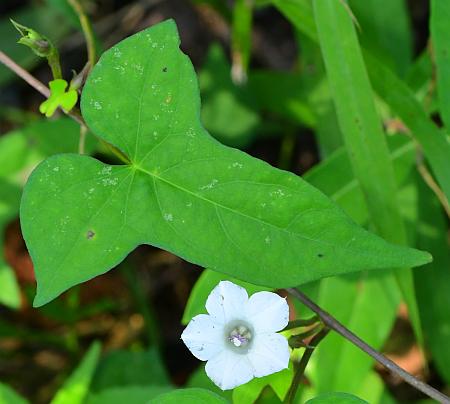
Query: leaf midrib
{"type": "Point", "coordinates": [219, 205]}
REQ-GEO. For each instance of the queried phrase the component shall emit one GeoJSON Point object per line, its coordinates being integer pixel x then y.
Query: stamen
{"type": "Point", "coordinates": [240, 336]}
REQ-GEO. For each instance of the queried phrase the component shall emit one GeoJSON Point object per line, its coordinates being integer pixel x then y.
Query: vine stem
{"type": "Point", "coordinates": [87, 31]}
{"type": "Point", "coordinates": [22, 73]}
{"type": "Point", "coordinates": [303, 363]}
{"type": "Point", "coordinates": [75, 113]}
{"type": "Point", "coordinates": [335, 325]}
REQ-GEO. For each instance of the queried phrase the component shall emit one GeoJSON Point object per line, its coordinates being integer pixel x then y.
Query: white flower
{"type": "Point", "coordinates": [238, 337]}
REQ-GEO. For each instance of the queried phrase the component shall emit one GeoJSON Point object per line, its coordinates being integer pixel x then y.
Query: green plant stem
{"type": "Point", "coordinates": [55, 64]}
{"type": "Point", "coordinates": [299, 372]}
{"type": "Point", "coordinates": [335, 325]}
{"type": "Point", "coordinates": [302, 323]}
{"type": "Point", "coordinates": [75, 113]}
{"type": "Point", "coordinates": [86, 26]}
{"type": "Point", "coordinates": [81, 144]}
{"type": "Point", "coordinates": [286, 150]}
{"type": "Point", "coordinates": [432, 184]}
{"type": "Point", "coordinates": [297, 340]}
{"type": "Point", "coordinates": [142, 304]}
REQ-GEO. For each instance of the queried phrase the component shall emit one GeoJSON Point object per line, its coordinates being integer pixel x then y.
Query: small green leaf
{"type": "Point", "coordinates": [76, 387]}
{"type": "Point", "coordinates": [188, 396]}
{"type": "Point", "coordinates": [59, 98]}
{"type": "Point", "coordinates": [9, 208]}
{"type": "Point", "coordinates": [336, 398]}
{"type": "Point", "coordinates": [128, 394]}
{"type": "Point", "coordinates": [126, 368]}
{"type": "Point", "coordinates": [279, 382]}
{"type": "Point", "coordinates": [23, 148]}
{"type": "Point", "coordinates": [9, 396]}
{"type": "Point", "coordinates": [228, 111]}
{"type": "Point", "coordinates": [183, 191]}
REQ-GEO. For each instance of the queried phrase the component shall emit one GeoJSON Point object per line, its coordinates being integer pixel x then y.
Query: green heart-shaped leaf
{"type": "Point", "coordinates": [59, 98]}
{"type": "Point", "coordinates": [182, 191]}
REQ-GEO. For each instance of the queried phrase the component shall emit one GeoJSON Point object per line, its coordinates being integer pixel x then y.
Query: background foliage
{"type": "Point", "coordinates": [297, 83]}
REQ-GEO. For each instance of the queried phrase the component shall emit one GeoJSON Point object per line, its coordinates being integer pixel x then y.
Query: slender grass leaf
{"type": "Point", "coordinates": [433, 282]}
{"type": "Point", "coordinates": [394, 92]}
{"type": "Point", "coordinates": [76, 387]}
{"type": "Point", "coordinates": [300, 14]}
{"type": "Point", "coordinates": [362, 131]}
{"type": "Point", "coordinates": [9, 396]}
{"type": "Point", "coordinates": [435, 144]}
{"type": "Point", "coordinates": [182, 191]}
{"type": "Point", "coordinates": [241, 39]}
{"type": "Point", "coordinates": [440, 36]}
{"type": "Point", "coordinates": [386, 31]}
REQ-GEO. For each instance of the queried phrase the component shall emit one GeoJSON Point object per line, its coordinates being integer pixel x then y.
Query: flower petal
{"type": "Point", "coordinates": [226, 302]}
{"type": "Point", "coordinates": [269, 354]}
{"type": "Point", "coordinates": [267, 312]}
{"type": "Point", "coordinates": [204, 337]}
{"type": "Point", "coordinates": [229, 369]}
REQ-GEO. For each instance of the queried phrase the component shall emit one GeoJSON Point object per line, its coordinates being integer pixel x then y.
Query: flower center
{"type": "Point", "coordinates": [240, 336]}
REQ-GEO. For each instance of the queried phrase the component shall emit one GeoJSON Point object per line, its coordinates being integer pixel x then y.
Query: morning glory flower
{"type": "Point", "coordinates": [238, 337]}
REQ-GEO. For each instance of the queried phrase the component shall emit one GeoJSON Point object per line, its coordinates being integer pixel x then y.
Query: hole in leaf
{"type": "Point", "coordinates": [90, 234]}
{"type": "Point", "coordinates": [320, 255]}
{"type": "Point", "coordinates": [164, 69]}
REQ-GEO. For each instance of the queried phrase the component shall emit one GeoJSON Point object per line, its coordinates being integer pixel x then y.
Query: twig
{"type": "Point", "coordinates": [429, 180]}
{"type": "Point", "coordinates": [335, 325]}
{"type": "Point", "coordinates": [22, 73]}
{"type": "Point", "coordinates": [75, 113]}
{"type": "Point", "coordinates": [303, 363]}
{"type": "Point", "coordinates": [86, 26]}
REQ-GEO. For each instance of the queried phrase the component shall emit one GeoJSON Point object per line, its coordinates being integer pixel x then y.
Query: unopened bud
{"type": "Point", "coordinates": [38, 43]}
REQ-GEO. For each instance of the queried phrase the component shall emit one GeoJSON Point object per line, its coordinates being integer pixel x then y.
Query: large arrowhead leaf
{"type": "Point", "coordinates": [182, 191]}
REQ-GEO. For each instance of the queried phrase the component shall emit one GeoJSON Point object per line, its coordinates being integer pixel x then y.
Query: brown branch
{"type": "Point", "coordinates": [75, 113]}
{"type": "Point", "coordinates": [22, 73]}
{"type": "Point", "coordinates": [335, 325]}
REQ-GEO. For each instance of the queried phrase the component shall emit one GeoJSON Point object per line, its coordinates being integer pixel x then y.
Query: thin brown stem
{"type": "Point", "coordinates": [429, 180]}
{"type": "Point", "coordinates": [22, 73]}
{"type": "Point", "coordinates": [75, 113]}
{"type": "Point", "coordinates": [303, 363]}
{"type": "Point", "coordinates": [86, 26]}
{"type": "Point", "coordinates": [335, 325]}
